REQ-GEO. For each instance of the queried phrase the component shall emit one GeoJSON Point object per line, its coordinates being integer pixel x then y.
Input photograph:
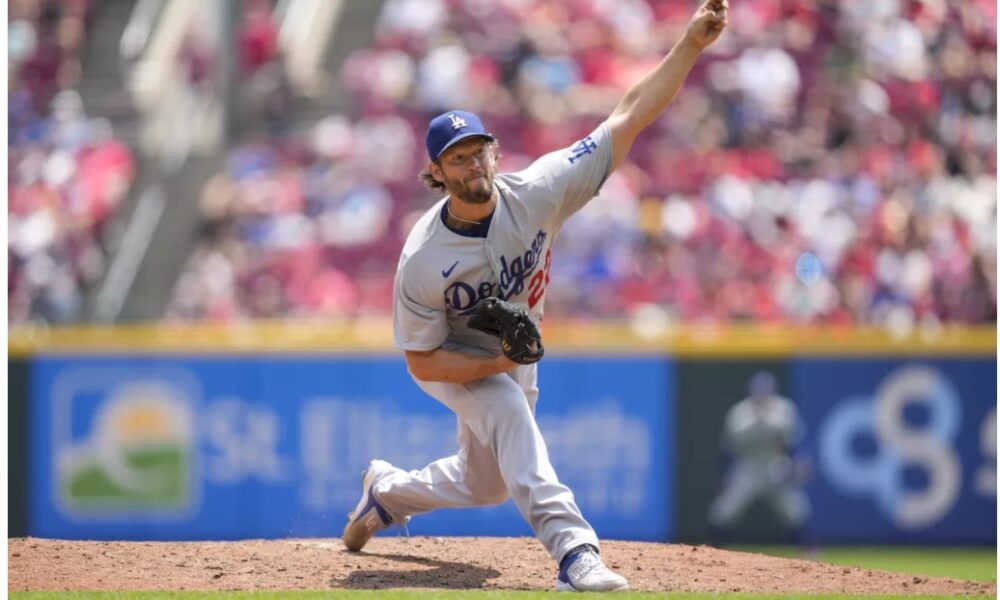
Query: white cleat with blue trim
{"type": "Point", "coordinates": [369, 516]}
{"type": "Point", "coordinates": [582, 570]}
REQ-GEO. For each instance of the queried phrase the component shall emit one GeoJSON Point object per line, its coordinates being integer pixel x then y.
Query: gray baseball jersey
{"type": "Point", "coordinates": [442, 276]}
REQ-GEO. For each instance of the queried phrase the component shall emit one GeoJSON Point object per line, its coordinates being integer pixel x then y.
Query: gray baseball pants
{"type": "Point", "coordinates": [501, 454]}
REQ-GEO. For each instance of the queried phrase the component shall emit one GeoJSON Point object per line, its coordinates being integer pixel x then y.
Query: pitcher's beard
{"type": "Point", "coordinates": [479, 196]}
{"type": "Point", "coordinates": [463, 192]}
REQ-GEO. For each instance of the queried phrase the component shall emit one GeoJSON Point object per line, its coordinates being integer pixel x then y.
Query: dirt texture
{"type": "Point", "coordinates": [425, 562]}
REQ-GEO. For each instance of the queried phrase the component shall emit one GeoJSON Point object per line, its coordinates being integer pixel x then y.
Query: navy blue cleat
{"type": "Point", "coordinates": [582, 570]}
{"type": "Point", "coordinates": [369, 516]}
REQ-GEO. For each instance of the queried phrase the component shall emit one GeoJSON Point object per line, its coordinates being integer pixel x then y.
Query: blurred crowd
{"type": "Point", "coordinates": [67, 174]}
{"type": "Point", "coordinates": [860, 133]}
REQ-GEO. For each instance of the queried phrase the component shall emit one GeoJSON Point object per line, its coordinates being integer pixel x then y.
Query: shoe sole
{"type": "Point", "coordinates": [562, 586]}
{"type": "Point", "coordinates": [352, 519]}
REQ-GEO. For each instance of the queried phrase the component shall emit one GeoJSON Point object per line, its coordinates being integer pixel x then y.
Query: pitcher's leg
{"type": "Point", "coordinates": [508, 427]}
{"type": "Point", "coordinates": [470, 478]}
{"type": "Point", "coordinates": [498, 415]}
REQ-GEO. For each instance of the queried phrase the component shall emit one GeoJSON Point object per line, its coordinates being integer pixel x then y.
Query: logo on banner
{"type": "Point", "coordinates": [123, 448]}
{"type": "Point", "coordinates": [897, 446]}
{"type": "Point", "coordinates": [602, 452]}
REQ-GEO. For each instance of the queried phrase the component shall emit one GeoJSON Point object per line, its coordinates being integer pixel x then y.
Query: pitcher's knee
{"type": "Point", "coordinates": [486, 484]}
{"type": "Point", "coordinates": [491, 495]}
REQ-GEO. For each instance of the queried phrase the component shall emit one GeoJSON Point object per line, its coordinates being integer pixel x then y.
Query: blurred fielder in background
{"type": "Point", "coordinates": [760, 433]}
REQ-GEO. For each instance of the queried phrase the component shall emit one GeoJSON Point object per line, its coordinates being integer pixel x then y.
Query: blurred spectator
{"type": "Point", "coordinates": [45, 38]}
{"type": "Point", "coordinates": [861, 132]}
{"type": "Point", "coordinates": [258, 37]}
{"type": "Point", "coordinates": [267, 94]}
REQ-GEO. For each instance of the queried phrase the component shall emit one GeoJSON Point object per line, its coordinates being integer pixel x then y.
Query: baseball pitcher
{"type": "Point", "coordinates": [469, 294]}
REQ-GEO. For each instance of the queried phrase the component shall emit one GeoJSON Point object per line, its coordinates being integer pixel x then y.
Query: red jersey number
{"type": "Point", "coordinates": [539, 282]}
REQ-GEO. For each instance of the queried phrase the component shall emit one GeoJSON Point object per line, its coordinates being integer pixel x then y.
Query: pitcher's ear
{"type": "Point", "coordinates": [435, 170]}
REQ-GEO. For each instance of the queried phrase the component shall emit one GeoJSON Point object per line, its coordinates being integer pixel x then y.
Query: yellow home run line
{"type": "Point", "coordinates": [374, 336]}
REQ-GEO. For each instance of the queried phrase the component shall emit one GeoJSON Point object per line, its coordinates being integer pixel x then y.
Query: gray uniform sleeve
{"type": "Point", "coordinates": [575, 174]}
{"type": "Point", "coordinates": [419, 320]}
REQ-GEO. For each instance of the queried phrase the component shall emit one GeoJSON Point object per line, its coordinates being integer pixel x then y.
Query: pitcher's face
{"type": "Point", "coordinates": [468, 170]}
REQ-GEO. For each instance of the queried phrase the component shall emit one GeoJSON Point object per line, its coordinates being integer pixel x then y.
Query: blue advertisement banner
{"type": "Point", "coordinates": [904, 451]}
{"type": "Point", "coordinates": [158, 448]}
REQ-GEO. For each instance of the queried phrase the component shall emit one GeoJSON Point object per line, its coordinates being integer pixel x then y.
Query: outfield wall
{"type": "Point", "coordinates": [166, 432]}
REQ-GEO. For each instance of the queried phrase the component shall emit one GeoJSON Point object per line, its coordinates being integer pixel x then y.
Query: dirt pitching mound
{"type": "Point", "coordinates": [420, 562]}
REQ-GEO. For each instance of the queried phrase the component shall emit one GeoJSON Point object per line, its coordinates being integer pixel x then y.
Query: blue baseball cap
{"type": "Point", "coordinates": [447, 129]}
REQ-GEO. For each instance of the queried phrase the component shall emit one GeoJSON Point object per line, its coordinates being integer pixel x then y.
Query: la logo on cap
{"type": "Point", "coordinates": [457, 122]}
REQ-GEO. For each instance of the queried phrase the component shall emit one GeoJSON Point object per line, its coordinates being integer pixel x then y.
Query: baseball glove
{"type": "Point", "coordinates": [519, 337]}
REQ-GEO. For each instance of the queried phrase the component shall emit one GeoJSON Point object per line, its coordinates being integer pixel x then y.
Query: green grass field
{"type": "Point", "coordinates": [977, 564]}
{"type": "Point", "coordinates": [962, 563]}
